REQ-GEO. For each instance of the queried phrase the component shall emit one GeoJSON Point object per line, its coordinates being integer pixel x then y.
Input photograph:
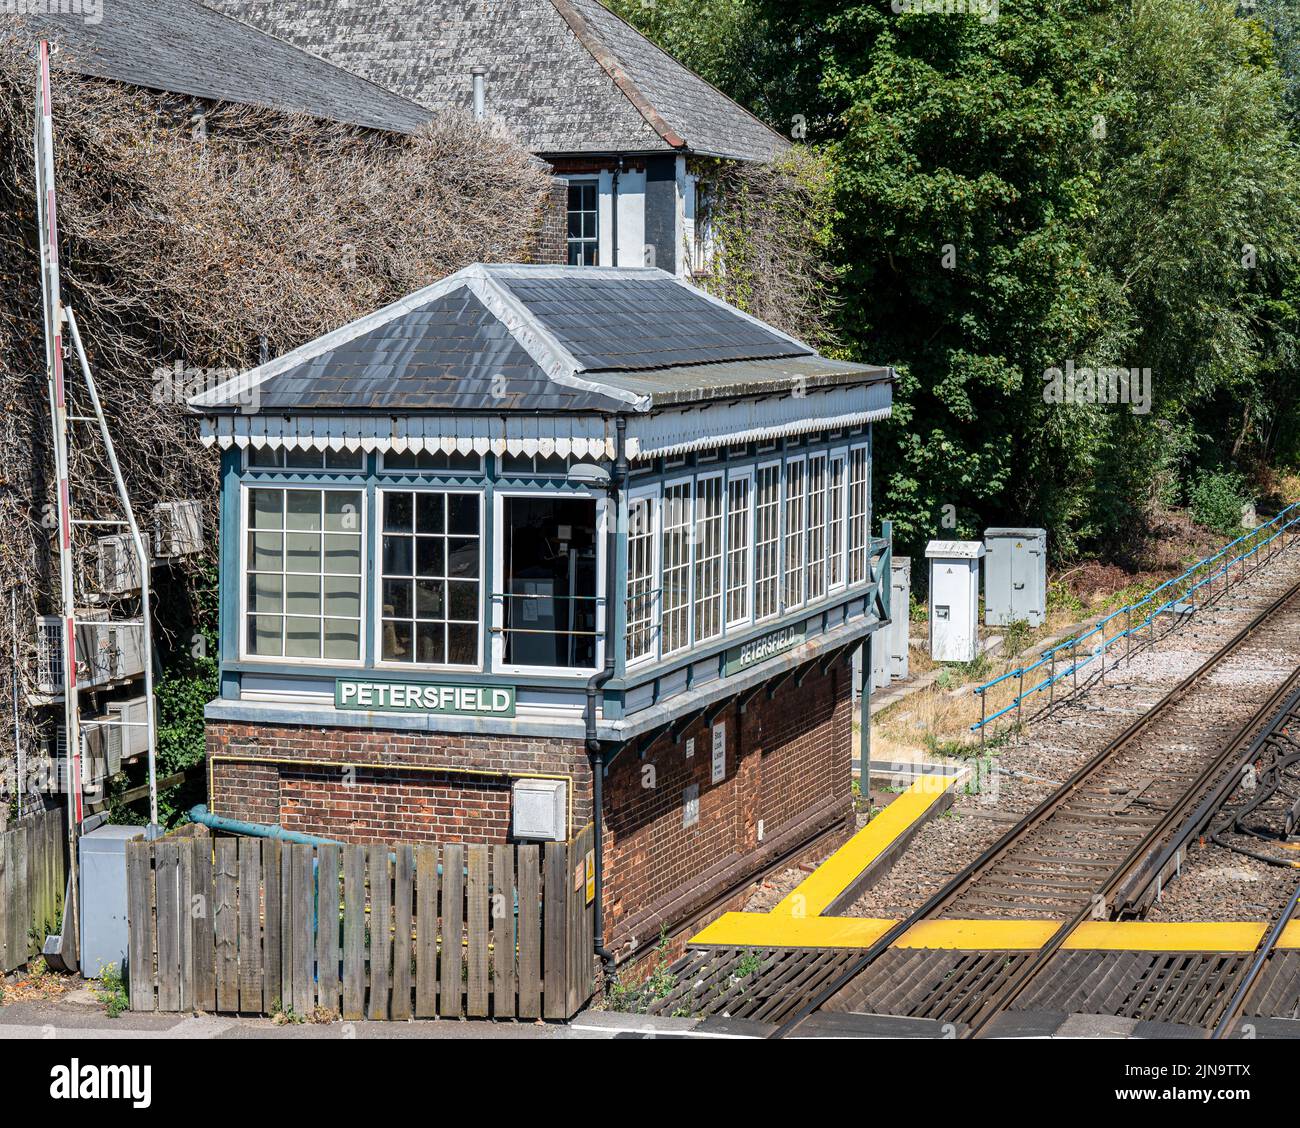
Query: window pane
{"type": "Point", "coordinates": [549, 549]}
{"type": "Point", "coordinates": [299, 577]}
{"type": "Point", "coordinates": [462, 558]}
{"type": "Point", "coordinates": [302, 552]}
{"type": "Point", "coordinates": [343, 598]}
{"type": "Point", "coordinates": [302, 510]}
{"type": "Point", "coordinates": [418, 611]}
{"type": "Point", "coordinates": [342, 554]}
{"type": "Point", "coordinates": [463, 601]}
{"type": "Point", "coordinates": [640, 579]}
{"type": "Point", "coordinates": [431, 556]}
{"type": "Point", "coordinates": [398, 556]}
{"type": "Point", "coordinates": [343, 511]}
{"type": "Point", "coordinates": [398, 513]}
{"type": "Point", "coordinates": [676, 553]}
{"type": "Point", "coordinates": [397, 642]}
{"type": "Point", "coordinates": [343, 639]}
{"type": "Point", "coordinates": [835, 501]}
{"type": "Point", "coordinates": [462, 645]}
{"type": "Point", "coordinates": [266, 552]}
{"type": "Point", "coordinates": [264, 635]}
{"type": "Point", "coordinates": [738, 517]}
{"type": "Point", "coordinates": [302, 637]}
{"type": "Point", "coordinates": [430, 643]}
{"type": "Point", "coordinates": [397, 599]}
{"type": "Point", "coordinates": [816, 526]}
{"type": "Point", "coordinates": [859, 499]}
{"type": "Point", "coordinates": [794, 534]}
{"type": "Point", "coordinates": [767, 541]}
{"type": "Point", "coordinates": [267, 508]}
{"type": "Point", "coordinates": [708, 558]}
{"type": "Point", "coordinates": [430, 599]}
{"type": "Point", "coordinates": [430, 513]}
{"type": "Point", "coordinates": [266, 594]}
{"type": "Point", "coordinates": [462, 513]}
{"type": "Point", "coordinates": [302, 595]}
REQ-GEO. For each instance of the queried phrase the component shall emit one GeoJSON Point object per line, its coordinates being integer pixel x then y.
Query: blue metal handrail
{"type": "Point", "coordinates": [1180, 604]}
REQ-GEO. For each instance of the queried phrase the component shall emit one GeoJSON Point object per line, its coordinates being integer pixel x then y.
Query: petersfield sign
{"type": "Point", "coordinates": [765, 646]}
{"type": "Point", "coordinates": [423, 697]}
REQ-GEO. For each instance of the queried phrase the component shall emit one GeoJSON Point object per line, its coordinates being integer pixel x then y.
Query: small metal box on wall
{"type": "Point", "coordinates": [954, 599]}
{"type": "Point", "coordinates": [103, 897]}
{"type": "Point", "coordinates": [1015, 576]}
{"type": "Point", "coordinates": [900, 606]}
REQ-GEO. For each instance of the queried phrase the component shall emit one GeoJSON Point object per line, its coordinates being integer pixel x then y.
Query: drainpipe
{"type": "Point", "coordinates": [480, 92]}
{"type": "Point", "coordinates": [618, 171]}
{"type": "Point", "coordinates": [595, 749]}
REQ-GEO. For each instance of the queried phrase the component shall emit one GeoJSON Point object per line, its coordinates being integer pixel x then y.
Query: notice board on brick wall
{"type": "Point", "coordinates": [719, 752]}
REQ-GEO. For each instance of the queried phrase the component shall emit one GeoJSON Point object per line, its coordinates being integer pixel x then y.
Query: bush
{"type": "Point", "coordinates": [1216, 498]}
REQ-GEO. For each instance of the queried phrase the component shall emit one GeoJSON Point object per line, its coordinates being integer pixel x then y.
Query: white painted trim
{"type": "Point", "coordinates": [243, 612]}
{"type": "Point", "coordinates": [652, 493]}
{"type": "Point", "coordinates": [499, 664]}
{"type": "Point", "coordinates": [747, 474]}
{"type": "Point", "coordinates": [376, 596]}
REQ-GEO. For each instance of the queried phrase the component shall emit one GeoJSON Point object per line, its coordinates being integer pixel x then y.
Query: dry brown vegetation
{"type": "Point", "coordinates": [190, 233]}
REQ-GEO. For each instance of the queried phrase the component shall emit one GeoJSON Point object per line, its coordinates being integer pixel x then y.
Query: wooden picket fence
{"type": "Point", "coordinates": [243, 926]}
{"type": "Point", "coordinates": [33, 876]}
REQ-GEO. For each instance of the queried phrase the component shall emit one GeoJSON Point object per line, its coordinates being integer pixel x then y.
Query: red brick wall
{"type": "Point", "coordinates": [550, 242]}
{"type": "Point", "coordinates": [789, 764]}
{"type": "Point", "coordinates": [324, 780]}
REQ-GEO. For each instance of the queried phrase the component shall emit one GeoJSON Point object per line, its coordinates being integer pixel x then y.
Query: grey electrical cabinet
{"type": "Point", "coordinates": [1015, 576]}
{"type": "Point", "coordinates": [880, 663]}
{"type": "Point", "coordinates": [900, 606]}
{"type": "Point", "coordinates": [954, 599]}
{"type": "Point", "coordinates": [102, 855]}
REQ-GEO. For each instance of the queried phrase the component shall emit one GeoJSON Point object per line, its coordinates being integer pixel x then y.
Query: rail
{"type": "Point", "coordinates": [1177, 597]}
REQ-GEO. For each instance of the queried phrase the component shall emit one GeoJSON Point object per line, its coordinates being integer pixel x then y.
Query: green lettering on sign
{"type": "Point", "coordinates": [423, 697]}
{"type": "Point", "coordinates": [765, 646]}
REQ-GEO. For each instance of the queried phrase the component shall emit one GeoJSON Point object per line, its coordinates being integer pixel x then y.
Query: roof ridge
{"type": "Point", "coordinates": [692, 71]}
{"type": "Point", "coordinates": [611, 65]}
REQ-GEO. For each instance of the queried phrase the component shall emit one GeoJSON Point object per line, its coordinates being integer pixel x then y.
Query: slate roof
{"type": "Point", "coordinates": [549, 339]}
{"type": "Point", "coordinates": [183, 47]}
{"type": "Point", "coordinates": [568, 76]}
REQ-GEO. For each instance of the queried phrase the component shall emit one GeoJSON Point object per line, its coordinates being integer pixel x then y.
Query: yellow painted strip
{"type": "Point", "coordinates": [840, 870]}
{"type": "Point", "coordinates": [767, 930]}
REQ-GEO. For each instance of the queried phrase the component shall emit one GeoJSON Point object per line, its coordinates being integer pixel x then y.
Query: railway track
{"type": "Point", "coordinates": [1104, 832]}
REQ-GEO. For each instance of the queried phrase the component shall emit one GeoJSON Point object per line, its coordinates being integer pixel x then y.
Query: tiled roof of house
{"type": "Point", "coordinates": [183, 47]}
{"type": "Point", "coordinates": [503, 339]}
{"type": "Point", "coordinates": [568, 76]}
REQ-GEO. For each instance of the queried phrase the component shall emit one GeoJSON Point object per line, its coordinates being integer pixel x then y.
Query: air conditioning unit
{"type": "Point", "coordinates": [119, 570]}
{"type": "Point", "coordinates": [94, 756]}
{"type": "Point", "coordinates": [127, 736]}
{"type": "Point", "coordinates": [539, 809]}
{"type": "Point", "coordinates": [106, 652]}
{"type": "Point", "coordinates": [177, 529]}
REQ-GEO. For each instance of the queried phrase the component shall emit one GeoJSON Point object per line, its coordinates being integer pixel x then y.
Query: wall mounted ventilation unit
{"type": "Point", "coordinates": [106, 652]}
{"type": "Point", "coordinates": [118, 569]}
{"type": "Point", "coordinates": [177, 529]}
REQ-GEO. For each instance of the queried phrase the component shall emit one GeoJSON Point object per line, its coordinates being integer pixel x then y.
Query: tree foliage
{"type": "Point", "coordinates": [1097, 183]}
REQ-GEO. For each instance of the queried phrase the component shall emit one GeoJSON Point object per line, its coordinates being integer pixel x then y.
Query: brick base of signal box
{"type": "Point", "coordinates": [673, 860]}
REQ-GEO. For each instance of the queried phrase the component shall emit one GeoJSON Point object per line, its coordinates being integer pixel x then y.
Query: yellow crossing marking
{"type": "Point", "coordinates": [796, 922]}
{"type": "Point", "coordinates": [838, 872]}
